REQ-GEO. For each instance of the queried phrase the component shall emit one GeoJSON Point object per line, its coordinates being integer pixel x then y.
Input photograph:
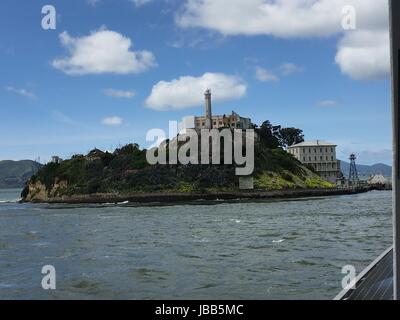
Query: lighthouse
{"type": "Point", "coordinates": [208, 124]}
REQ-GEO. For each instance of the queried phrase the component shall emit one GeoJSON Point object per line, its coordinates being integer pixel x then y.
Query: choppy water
{"type": "Point", "coordinates": [265, 250]}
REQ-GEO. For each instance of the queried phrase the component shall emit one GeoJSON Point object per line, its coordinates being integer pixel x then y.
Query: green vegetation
{"type": "Point", "coordinates": [273, 137]}
{"type": "Point", "coordinates": [126, 171]}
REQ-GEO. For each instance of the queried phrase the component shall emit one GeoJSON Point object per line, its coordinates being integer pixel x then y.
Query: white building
{"type": "Point", "coordinates": [210, 121]}
{"type": "Point", "coordinates": [233, 121]}
{"type": "Point", "coordinates": [320, 155]}
{"type": "Point", "coordinates": [56, 159]}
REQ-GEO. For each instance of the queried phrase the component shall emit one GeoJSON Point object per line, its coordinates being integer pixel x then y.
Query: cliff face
{"type": "Point", "coordinates": [126, 173]}
{"type": "Point", "coordinates": [36, 191]}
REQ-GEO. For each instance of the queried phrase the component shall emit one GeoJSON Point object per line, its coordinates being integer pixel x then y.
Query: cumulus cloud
{"type": "Point", "coordinates": [326, 103]}
{"type": "Point", "coordinates": [139, 3]}
{"type": "Point", "coordinates": [264, 75]}
{"type": "Point", "coordinates": [287, 69]}
{"type": "Point", "coordinates": [303, 19]}
{"type": "Point", "coordinates": [119, 93]}
{"type": "Point", "coordinates": [102, 51]}
{"type": "Point", "coordinates": [187, 91]}
{"type": "Point", "coordinates": [112, 121]}
{"type": "Point", "coordinates": [280, 18]}
{"type": "Point", "coordinates": [21, 92]}
{"type": "Point", "coordinates": [364, 54]}
{"type": "Point", "coordinates": [92, 3]}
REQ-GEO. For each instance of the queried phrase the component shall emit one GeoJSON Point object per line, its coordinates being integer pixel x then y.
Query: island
{"type": "Point", "coordinates": [125, 175]}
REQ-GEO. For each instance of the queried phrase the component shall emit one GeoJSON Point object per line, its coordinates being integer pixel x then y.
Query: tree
{"type": "Point", "coordinates": [267, 134]}
{"type": "Point", "coordinates": [290, 136]}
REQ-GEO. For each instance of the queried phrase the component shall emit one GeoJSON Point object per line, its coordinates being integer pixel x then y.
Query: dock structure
{"type": "Point", "coordinates": [381, 280]}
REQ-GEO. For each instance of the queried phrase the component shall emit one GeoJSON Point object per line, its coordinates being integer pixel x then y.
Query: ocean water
{"type": "Point", "coordinates": [291, 249]}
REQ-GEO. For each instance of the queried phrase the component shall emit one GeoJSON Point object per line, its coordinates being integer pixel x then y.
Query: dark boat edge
{"type": "Point", "coordinates": [376, 266]}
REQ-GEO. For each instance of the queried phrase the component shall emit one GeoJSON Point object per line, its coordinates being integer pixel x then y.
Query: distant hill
{"type": "Point", "coordinates": [14, 174]}
{"type": "Point", "coordinates": [364, 170]}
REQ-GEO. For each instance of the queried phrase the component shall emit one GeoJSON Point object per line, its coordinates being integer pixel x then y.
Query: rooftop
{"type": "Point", "coordinates": [314, 143]}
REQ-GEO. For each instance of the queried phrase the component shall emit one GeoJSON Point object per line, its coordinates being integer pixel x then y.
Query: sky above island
{"type": "Point", "coordinates": [114, 69]}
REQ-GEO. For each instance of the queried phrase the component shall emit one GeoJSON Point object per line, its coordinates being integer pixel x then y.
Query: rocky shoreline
{"type": "Point", "coordinates": [183, 197]}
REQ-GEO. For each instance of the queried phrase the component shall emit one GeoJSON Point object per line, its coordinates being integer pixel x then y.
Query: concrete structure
{"type": "Point", "coordinates": [321, 155]}
{"type": "Point", "coordinates": [246, 183]}
{"type": "Point", "coordinates": [208, 118]}
{"type": "Point", "coordinates": [234, 121]}
{"type": "Point", "coordinates": [208, 121]}
{"type": "Point", "coordinates": [56, 160]}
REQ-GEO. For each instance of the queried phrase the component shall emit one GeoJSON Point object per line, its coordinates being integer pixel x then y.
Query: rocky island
{"type": "Point", "coordinates": [125, 175]}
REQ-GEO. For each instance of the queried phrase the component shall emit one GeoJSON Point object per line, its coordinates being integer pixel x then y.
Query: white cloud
{"type": "Point", "coordinates": [119, 93]}
{"type": "Point", "coordinates": [187, 91]}
{"type": "Point", "coordinates": [21, 92]}
{"type": "Point", "coordinates": [112, 121]}
{"type": "Point", "coordinates": [139, 3]}
{"type": "Point", "coordinates": [287, 69]}
{"type": "Point", "coordinates": [264, 75]}
{"type": "Point", "coordinates": [102, 51]}
{"type": "Point", "coordinates": [364, 54]}
{"type": "Point", "coordinates": [92, 2]}
{"type": "Point", "coordinates": [302, 19]}
{"type": "Point", "coordinates": [280, 18]}
{"type": "Point", "coordinates": [327, 103]}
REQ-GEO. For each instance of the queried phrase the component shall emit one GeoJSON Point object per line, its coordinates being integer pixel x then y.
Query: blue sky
{"type": "Point", "coordinates": [62, 92]}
